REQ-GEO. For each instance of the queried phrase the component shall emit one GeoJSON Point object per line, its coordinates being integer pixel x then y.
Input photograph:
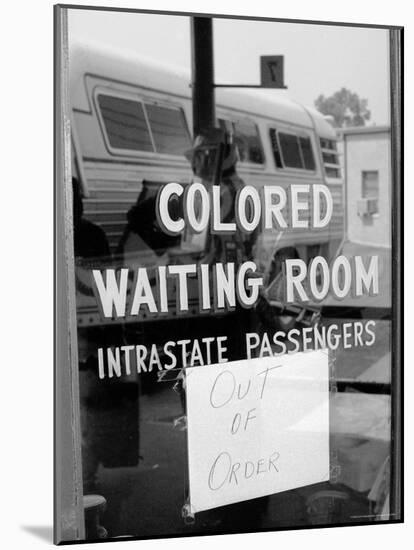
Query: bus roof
{"type": "Point", "coordinates": [127, 67]}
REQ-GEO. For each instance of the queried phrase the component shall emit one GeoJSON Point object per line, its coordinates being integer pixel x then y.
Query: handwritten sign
{"type": "Point", "coordinates": [257, 427]}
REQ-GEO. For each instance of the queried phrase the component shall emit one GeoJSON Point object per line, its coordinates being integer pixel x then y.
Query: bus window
{"type": "Point", "coordinates": [307, 153]}
{"type": "Point", "coordinates": [169, 129]}
{"type": "Point", "coordinates": [226, 125]}
{"type": "Point", "coordinates": [125, 123]}
{"type": "Point", "coordinates": [247, 139]}
{"type": "Point", "coordinates": [330, 158]}
{"type": "Point", "coordinates": [292, 151]}
{"type": "Point", "coordinates": [275, 148]}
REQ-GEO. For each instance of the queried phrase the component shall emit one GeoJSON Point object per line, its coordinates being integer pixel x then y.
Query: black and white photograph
{"type": "Point", "coordinates": [228, 294]}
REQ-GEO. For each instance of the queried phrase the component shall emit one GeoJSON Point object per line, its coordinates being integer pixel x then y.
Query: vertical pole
{"type": "Point", "coordinates": [202, 73]}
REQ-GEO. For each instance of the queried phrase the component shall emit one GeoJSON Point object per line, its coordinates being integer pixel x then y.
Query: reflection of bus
{"type": "Point", "coordinates": [131, 121]}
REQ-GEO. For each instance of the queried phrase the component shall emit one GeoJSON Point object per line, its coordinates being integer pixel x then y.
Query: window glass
{"type": "Point", "coordinates": [370, 189]}
{"type": "Point", "coordinates": [330, 158]}
{"type": "Point", "coordinates": [307, 153]}
{"type": "Point", "coordinates": [168, 129]}
{"type": "Point", "coordinates": [296, 151]}
{"type": "Point", "coordinates": [275, 148]}
{"type": "Point", "coordinates": [236, 355]}
{"type": "Point", "coordinates": [290, 150]}
{"type": "Point", "coordinates": [133, 410]}
{"type": "Point", "coordinates": [125, 123]}
{"type": "Point", "coordinates": [248, 142]}
{"type": "Point", "coordinates": [332, 172]}
{"type": "Point", "coordinates": [370, 184]}
{"type": "Point", "coordinates": [328, 144]}
{"type": "Point", "coordinates": [226, 125]}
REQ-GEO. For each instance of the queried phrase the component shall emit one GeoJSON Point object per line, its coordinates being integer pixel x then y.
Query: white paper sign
{"type": "Point", "coordinates": [257, 427]}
